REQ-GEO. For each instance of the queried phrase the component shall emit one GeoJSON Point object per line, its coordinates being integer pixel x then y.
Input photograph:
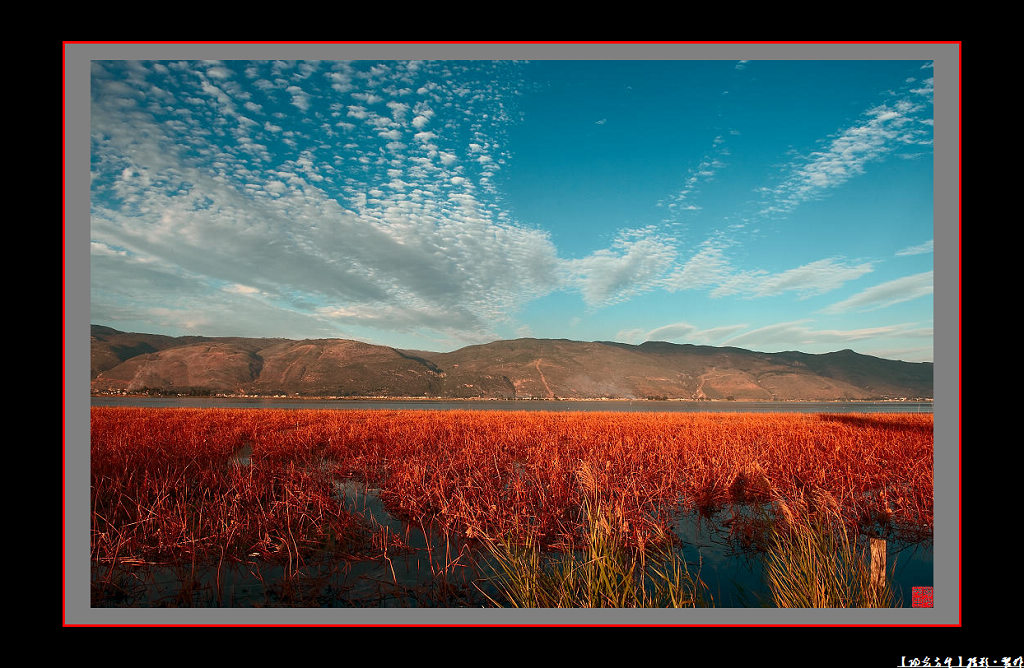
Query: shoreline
{"type": "Point", "coordinates": [113, 395]}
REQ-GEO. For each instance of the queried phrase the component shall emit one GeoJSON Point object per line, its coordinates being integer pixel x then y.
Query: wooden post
{"type": "Point", "coordinates": [877, 563]}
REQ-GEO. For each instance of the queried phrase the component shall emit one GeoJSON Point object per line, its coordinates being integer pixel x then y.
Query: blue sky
{"type": "Point", "coordinates": [768, 205]}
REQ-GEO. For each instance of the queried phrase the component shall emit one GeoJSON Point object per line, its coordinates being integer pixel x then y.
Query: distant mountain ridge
{"type": "Point", "coordinates": [510, 369]}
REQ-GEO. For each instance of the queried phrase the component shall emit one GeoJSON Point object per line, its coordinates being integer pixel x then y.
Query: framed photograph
{"type": "Point", "coordinates": [491, 334]}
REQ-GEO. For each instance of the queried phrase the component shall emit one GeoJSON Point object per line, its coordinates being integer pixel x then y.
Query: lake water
{"type": "Point", "coordinates": [527, 405]}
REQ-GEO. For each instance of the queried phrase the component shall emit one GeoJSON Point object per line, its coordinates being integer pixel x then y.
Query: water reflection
{"type": "Point", "coordinates": [420, 566]}
{"type": "Point", "coordinates": [724, 543]}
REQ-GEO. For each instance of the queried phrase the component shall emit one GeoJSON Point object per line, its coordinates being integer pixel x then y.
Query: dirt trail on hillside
{"type": "Point", "coordinates": [704, 377]}
{"type": "Point", "coordinates": [551, 395]}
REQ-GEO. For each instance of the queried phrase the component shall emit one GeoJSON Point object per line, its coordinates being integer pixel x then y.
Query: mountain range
{"type": "Point", "coordinates": [124, 362]}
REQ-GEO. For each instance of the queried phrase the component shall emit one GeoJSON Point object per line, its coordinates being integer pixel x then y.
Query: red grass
{"type": "Point", "coordinates": [163, 484]}
{"type": "Point", "coordinates": [166, 486]}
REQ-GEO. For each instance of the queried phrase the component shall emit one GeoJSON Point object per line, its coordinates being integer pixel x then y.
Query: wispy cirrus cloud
{"type": "Point", "coordinates": [920, 249]}
{"type": "Point", "coordinates": [711, 269]}
{"type": "Point", "coordinates": [777, 336]}
{"type": "Point", "coordinates": [887, 294]}
{"type": "Point", "coordinates": [692, 334]}
{"type": "Point", "coordinates": [880, 131]}
{"type": "Point", "coordinates": [800, 332]}
{"type": "Point", "coordinates": [704, 171]}
{"type": "Point", "coordinates": [813, 278]}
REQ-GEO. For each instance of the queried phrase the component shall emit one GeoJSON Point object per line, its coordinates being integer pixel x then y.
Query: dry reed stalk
{"type": "Point", "coordinates": [813, 559]}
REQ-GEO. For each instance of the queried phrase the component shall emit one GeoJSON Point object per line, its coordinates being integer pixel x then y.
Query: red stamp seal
{"type": "Point", "coordinates": [921, 597]}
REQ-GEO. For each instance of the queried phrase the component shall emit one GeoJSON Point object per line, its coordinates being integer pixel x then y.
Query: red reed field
{"type": "Point", "coordinates": [237, 485]}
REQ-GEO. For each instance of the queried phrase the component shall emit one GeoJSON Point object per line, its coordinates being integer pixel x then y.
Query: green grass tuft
{"type": "Point", "coordinates": [606, 573]}
{"type": "Point", "coordinates": [813, 561]}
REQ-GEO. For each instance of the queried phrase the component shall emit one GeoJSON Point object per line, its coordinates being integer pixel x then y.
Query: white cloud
{"type": "Point", "coordinates": [299, 97]}
{"type": "Point", "coordinates": [98, 248]}
{"type": "Point", "coordinates": [790, 335]}
{"type": "Point", "coordinates": [669, 332]}
{"type": "Point", "coordinates": [683, 332]}
{"type": "Point", "coordinates": [927, 88]}
{"type": "Point", "coordinates": [814, 278]}
{"type": "Point", "coordinates": [385, 316]}
{"type": "Point", "coordinates": [239, 289]}
{"type": "Point", "coordinates": [710, 269]}
{"type": "Point", "coordinates": [218, 72]}
{"type": "Point", "coordinates": [634, 264]}
{"type": "Point", "coordinates": [398, 109]}
{"type": "Point", "coordinates": [275, 187]}
{"type": "Point", "coordinates": [799, 333]}
{"type": "Point", "coordinates": [703, 172]}
{"type": "Point", "coordinates": [368, 98]}
{"type": "Point", "coordinates": [880, 131]}
{"type": "Point", "coordinates": [886, 294]}
{"type": "Point", "coordinates": [920, 249]}
{"type": "Point", "coordinates": [633, 336]}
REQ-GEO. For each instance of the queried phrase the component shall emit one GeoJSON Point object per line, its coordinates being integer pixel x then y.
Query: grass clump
{"type": "Point", "coordinates": [606, 573]}
{"type": "Point", "coordinates": [813, 560]}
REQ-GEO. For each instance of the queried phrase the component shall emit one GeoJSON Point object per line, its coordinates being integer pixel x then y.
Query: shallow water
{"type": "Point", "coordinates": [733, 570]}
{"type": "Point", "coordinates": [422, 567]}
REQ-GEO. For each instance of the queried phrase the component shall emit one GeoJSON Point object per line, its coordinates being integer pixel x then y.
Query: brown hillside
{"type": "Point", "coordinates": [521, 368]}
